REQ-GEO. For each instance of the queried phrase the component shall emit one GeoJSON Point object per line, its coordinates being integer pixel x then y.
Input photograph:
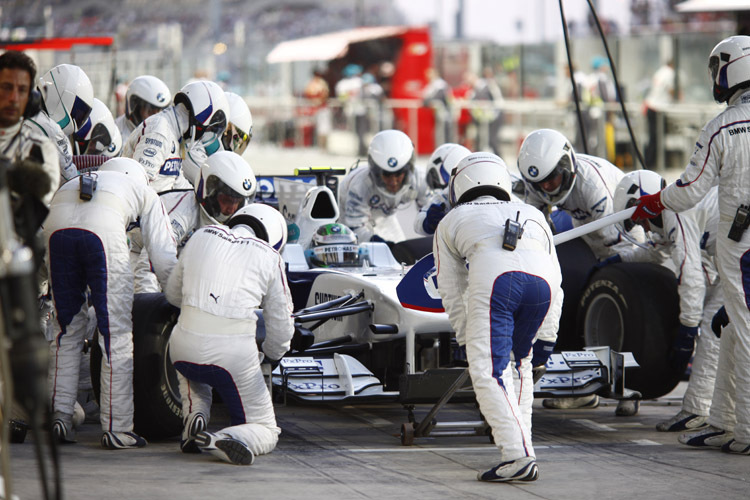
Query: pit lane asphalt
{"type": "Point", "coordinates": [354, 452]}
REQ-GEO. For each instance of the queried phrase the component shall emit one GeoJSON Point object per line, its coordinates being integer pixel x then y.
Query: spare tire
{"type": "Point", "coordinates": [156, 396]}
{"type": "Point", "coordinates": [634, 307]}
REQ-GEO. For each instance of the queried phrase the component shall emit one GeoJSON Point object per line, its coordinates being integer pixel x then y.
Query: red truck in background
{"type": "Point", "coordinates": [408, 53]}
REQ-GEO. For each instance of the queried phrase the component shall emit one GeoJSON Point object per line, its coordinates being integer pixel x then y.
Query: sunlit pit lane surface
{"type": "Point", "coordinates": [354, 452]}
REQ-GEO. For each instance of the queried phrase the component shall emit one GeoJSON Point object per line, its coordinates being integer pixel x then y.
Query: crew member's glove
{"type": "Point", "coordinates": [682, 347]}
{"type": "Point", "coordinates": [542, 351]}
{"type": "Point", "coordinates": [649, 206]}
{"type": "Point", "coordinates": [720, 321]}
{"type": "Point", "coordinates": [613, 259]}
{"type": "Point", "coordinates": [269, 361]}
{"type": "Point", "coordinates": [435, 214]}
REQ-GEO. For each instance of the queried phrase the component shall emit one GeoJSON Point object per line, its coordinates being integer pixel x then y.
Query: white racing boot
{"type": "Point", "coordinates": [521, 469]}
{"type": "Point", "coordinates": [707, 437]}
{"type": "Point", "coordinates": [683, 421]}
{"type": "Point", "coordinates": [225, 447]}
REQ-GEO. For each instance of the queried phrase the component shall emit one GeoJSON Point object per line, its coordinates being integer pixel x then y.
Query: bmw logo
{"type": "Point", "coordinates": [335, 229]}
{"type": "Point", "coordinates": [533, 171]}
{"type": "Point", "coordinates": [374, 200]}
{"type": "Point", "coordinates": [160, 97]}
{"type": "Point", "coordinates": [111, 147]}
{"type": "Point", "coordinates": [247, 184]}
{"type": "Point", "coordinates": [392, 162]}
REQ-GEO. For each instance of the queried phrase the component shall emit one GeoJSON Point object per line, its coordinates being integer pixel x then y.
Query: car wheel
{"type": "Point", "coordinates": [576, 260]}
{"type": "Point", "coordinates": [634, 307]}
{"type": "Point", "coordinates": [156, 397]}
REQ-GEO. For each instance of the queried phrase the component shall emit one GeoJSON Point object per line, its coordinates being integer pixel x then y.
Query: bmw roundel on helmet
{"type": "Point", "coordinates": [127, 166]}
{"type": "Point", "coordinates": [99, 135]}
{"type": "Point", "coordinates": [391, 153]}
{"type": "Point", "coordinates": [729, 66]}
{"type": "Point", "coordinates": [266, 222]}
{"type": "Point", "coordinates": [146, 96]}
{"type": "Point", "coordinates": [631, 187]}
{"type": "Point", "coordinates": [479, 174]}
{"type": "Point", "coordinates": [67, 96]}
{"type": "Point", "coordinates": [208, 110]}
{"type": "Point", "coordinates": [547, 163]}
{"type": "Point", "coordinates": [333, 245]}
{"type": "Point", "coordinates": [226, 184]}
{"type": "Point", "coordinates": [240, 129]}
{"type": "Point", "coordinates": [438, 173]}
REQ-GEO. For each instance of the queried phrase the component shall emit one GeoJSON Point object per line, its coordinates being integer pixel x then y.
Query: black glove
{"type": "Point", "coordinates": [542, 351]}
{"type": "Point", "coordinates": [434, 215]}
{"type": "Point", "coordinates": [273, 362]}
{"type": "Point", "coordinates": [720, 321]}
{"type": "Point", "coordinates": [682, 347]}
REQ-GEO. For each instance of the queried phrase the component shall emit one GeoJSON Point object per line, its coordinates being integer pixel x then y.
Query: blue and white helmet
{"type": "Point", "coordinates": [266, 222]}
{"type": "Point", "coordinates": [441, 162]}
{"type": "Point", "coordinates": [147, 94]}
{"type": "Point", "coordinates": [67, 96]}
{"type": "Point", "coordinates": [225, 179]}
{"type": "Point", "coordinates": [99, 135]}
{"type": "Point", "coordinates": [729, 66]}
{"type": "Point", "coordinates": [208, 108]}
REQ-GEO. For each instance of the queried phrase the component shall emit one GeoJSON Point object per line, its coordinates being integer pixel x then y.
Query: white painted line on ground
{"type": "Point", "coordinates": [590, 424]}
{"type": "Point", "coordinates": [645, 442]}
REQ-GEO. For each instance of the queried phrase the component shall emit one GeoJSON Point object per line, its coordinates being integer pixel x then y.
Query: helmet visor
{"type": "Point", "coordinates": [341, 255]}
{"type": "Point", "coordinates": [713, 67]}
{"type": "Point", "coordinates": [558, 179]}
{"type": "Point", "coordinates": [80, 112]}
{"type": "Point", "coordinates": [221, 200]}
{"type": "Point", "coordinates": [100, 140]}
{"type": "Point", "coordinates": [234, 139]}
{"type": "Point", "coordinates": [211, 132]}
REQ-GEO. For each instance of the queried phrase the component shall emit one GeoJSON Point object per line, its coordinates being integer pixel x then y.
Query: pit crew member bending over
{"type": "Point", "coordinates": [690, 240]}
{"type": "Point", "coordinates": [584, 187]}
{"type": "Point", "coordinates": [720, 156]}
{"type": "Point", "coordinates": [87, 248]}
{"type": "Point", "coordinates": [512, 287]}
{"type": "Point", "coordinates": [371, 195]}
{"type": "Point", "coordinates": [223, 276]}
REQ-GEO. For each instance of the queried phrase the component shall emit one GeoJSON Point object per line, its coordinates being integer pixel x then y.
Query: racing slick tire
{"type": "Point", "coordinates": [634, 307]}
{"type": "Point", "coordinates": [156, 397]}
{"type": "Point", "coordinates": [576, 261]}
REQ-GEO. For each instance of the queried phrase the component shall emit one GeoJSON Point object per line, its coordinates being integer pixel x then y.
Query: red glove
{"type": "Point", "coordinates": [649, 206]}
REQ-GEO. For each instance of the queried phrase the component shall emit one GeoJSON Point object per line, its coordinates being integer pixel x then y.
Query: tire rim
{"type": "Point", "coordinates": [604, 323]}
{"type": "Point", "coordinates": [170, 373]}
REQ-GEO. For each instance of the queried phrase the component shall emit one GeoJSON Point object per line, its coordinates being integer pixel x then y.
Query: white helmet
{"type": "Point", "coordinates": [208, 108]}
{"type": "Point", "coordinates": [631, 187]}
{"type": "Point", "coordinates": [546, 155]}
{"type": "Point", "coordinates": [146, 95]}
{"type": "Point", "coordinates": [391, 152]}
{"type": "Point", "coordinates": [67, 96]}
{"type": "Point", "coordinates": [479, 174]}
{"type": "Point", "coordinates": [240, 128]}
{"type": "Point", "coordinates": [266, 222]}
{"type": "Point", "coordinates": [99, 135]}
{"type": "Point", "coordinates": [442, 161]}
{"type": "Point", "coordinates": [127, 166]}
{"type": "Point", "coordinates": [227, 180]}
{"type": "Point", "coordinates": [729, 66]}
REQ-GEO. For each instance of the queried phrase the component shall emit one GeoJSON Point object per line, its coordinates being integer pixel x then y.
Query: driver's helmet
{"type": "Point", "coordinates": [208, 109]}
{"type": "Point", "coordinates": [99, 135]}
{"type": "Point", "coordinates": [67, 96]}
{"type": "Point", "coordinates": [146, 96]}
{"type": "Point", "coordinates": [333, 245]}
{"type": "Point", "coordinates": [226, 183]}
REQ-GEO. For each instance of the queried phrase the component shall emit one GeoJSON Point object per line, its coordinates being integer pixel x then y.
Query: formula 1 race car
{"type": "Point", "coordinates": [379, 332]}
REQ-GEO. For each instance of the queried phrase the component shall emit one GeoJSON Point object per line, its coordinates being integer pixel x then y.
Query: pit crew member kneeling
{"type": "Point", "coordinates": [501, 257]}
{"type": "Point", "coordinates": [223, 276]}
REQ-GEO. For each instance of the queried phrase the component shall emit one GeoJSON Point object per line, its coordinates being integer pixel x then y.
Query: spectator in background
{"type": "Point", "coordinates": [660, 96]}
{"type": "Point", "coordinates": [317, 92]}
{"type": "Point", "coordinates": [438, 96]}
{"type": "Point", "coordinates": [487, 91]}
{"type": "Point", "coordinates": [461, 94]}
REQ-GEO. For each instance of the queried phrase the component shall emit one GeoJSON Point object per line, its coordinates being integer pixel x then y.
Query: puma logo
{"type": "Point", "coordinates": [215, 297]}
